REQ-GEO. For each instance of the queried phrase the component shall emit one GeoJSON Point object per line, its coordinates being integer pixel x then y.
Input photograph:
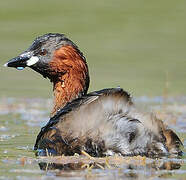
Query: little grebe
{"type": "Point", "coordinates": [101, 123]}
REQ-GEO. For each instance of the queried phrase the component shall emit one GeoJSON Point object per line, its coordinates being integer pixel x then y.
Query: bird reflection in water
{"type": "Point", "coordinates": [127, 167]}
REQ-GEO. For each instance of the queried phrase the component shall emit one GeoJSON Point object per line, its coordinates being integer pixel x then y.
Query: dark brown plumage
{"type": "Point", "coordinates": [102, 122]}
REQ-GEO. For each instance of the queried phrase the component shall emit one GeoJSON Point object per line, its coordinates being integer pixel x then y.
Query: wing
{"type": "Point", "coordinates": [85, 101]}
{"type": "Point", "coordinates": [106, 120]}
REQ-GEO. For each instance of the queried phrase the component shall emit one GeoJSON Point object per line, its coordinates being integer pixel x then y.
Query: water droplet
{"type": "Point", "coordinates": [20, 68]}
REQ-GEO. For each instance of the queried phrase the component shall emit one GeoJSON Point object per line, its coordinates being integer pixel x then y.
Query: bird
{"type": "Point", "coordinates": [101, 123]}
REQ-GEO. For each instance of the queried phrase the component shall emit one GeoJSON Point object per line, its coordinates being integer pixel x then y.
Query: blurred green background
{"type": "Point", "coordinates": [138, 45]}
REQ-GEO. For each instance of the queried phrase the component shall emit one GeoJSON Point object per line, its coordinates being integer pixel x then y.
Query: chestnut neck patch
{"type": "Point", "coordinates": [70, 76]}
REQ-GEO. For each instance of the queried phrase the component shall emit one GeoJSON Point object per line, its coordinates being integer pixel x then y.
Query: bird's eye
{"type": "Point", "coordinates": [43, 52]}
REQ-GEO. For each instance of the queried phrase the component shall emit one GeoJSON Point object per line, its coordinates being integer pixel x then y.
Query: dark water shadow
{"type": "Point", "coordinates": [127, 170]}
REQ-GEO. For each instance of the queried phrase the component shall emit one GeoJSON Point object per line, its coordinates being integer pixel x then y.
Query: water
{"type": "Point", "coordinates": [21, 120]}
{"type": "Point", "coordinates": [138, 45]}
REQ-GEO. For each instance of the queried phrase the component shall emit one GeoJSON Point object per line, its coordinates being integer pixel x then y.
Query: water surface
{"type": "Point", "coordinates": [21, 120]}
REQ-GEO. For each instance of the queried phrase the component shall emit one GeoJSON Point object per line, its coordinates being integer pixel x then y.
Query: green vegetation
{"type": "Point", "coordinates": [128, 43]}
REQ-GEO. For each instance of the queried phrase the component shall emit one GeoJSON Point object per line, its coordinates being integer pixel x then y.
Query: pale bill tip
{"type": "Point", "coordinates": [5, 65]}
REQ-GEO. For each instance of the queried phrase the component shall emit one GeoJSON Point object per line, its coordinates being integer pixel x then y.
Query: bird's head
{"type": "Point", "coordinates": [56, 57]}
{"type": "Point", "coordinates": [51, 55]}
